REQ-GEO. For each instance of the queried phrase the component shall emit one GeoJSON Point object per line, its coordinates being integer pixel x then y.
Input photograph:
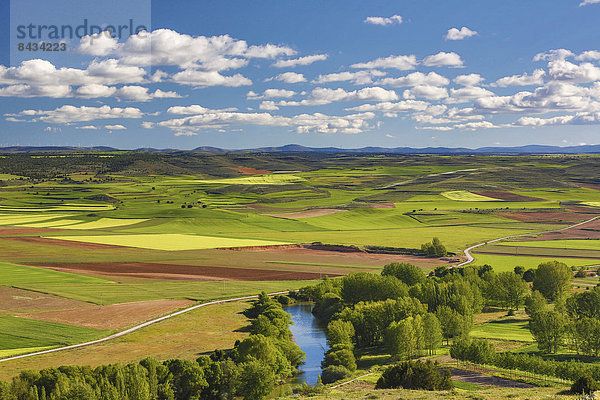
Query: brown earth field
{"type": "Point", "coordinates": [507, 196]}
{"type": "Point", "coordinates": [16, 301]}
{"type": "Point", "coordinates": [590, 230]}
{"type": "Point", "coordinates": [485, 380]}
{"type": "Point", "coordinates": [19, 230]}
{"type": "Point", "coordinates": [115, 316]}
{"type": "Point", "coordinates": [549, 216]}
{"type": "Point", "coordinates": [180, 272]}
{"type": "Point", "coordinates": [588, 185]}
{"type": "Point", "coordinates": [317, 212]}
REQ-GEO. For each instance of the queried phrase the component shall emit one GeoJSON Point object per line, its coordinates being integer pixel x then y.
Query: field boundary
{"type": "Point", "coordinates": [470, 258]}
{"type": "Point", "coordinates": [135, 328]}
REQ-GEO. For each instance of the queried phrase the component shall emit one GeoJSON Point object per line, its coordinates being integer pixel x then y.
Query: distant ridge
{"type": "Point", "coordinates": [296, 148]}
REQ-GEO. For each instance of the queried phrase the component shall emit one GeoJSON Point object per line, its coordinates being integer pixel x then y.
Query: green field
{"type": "Point", "coordinates": [18, 334]}
{"type": "Point", "coordinates": [503, 263]}
{"type": "Point", "coordinates": [504, 329]}
{"type": "Point", "coordinates": [588, 244]}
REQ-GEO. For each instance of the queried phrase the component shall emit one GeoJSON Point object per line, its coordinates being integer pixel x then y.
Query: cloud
{"type": "Point", "coordinates": [551, 55]}
{"type": "Point", "coordinates": [322, 96]}
{"type": "Point", "coordinates": [468, 80]}
{"type": "Point", "coordinates": [416, 79]}
{"type": "Point", "coordinates": [88, 127]}
{"type": "Point", "coordinates": [456, 34]}
{"type": "Point", "coordinates": [443, 59]}
{"type": "Point", "coordinates": [196, 109]}
{"type": "Point", "coordinates": [270, 94]}
{"type": "Point", "coordinates": [140, 93]}
{"type": "Point", "coordinates": [289, 77]}
{"type": "Point", "coordinates": [268, 105]}
{"type": "Point", "coordinates": [588, 2]}
{"type": "Point", "coordinates": [115, 127]}
{"type": "Point", "coordinates": [302, 123]}
{"type": "Point", "coordinates": [467, 94]}
{"type": "Point", "coordinates": [426, 92]}
{"type": "Point", "coordinates": [402, 63]}
{"type": "Point", "coordinates": [211, 53]}
{"type": "Point", "coordinates": [536, 78]}
{"type": "Point", "coordinates": [364, 77]}
{"type": "Point", "coordinates": [67, 114]}
{"type": "Point", "coordinates": [383, 21]}
{"type": "Point", "coordinates": [589, 55]}
{"type": "Point", "coordinates": [148, 125]}
{"type": "Point", "coordinates": [389, 107]}
{"type": "Point", "coordinates": [199, 78]}
{"type": "Point", "coordinates": [300, 61]}
{"type": "Point", "coordinates": [567, 71]}
{"type": "Point", "coordinates": [99, 44]}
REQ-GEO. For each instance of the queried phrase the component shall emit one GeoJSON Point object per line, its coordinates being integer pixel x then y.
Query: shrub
{"type": "Point", "coordinates": [334, 373]}
{"type": "Point", "coordinates": [585, 384]}
{"type": "Point", "coordinates": [419, 375]}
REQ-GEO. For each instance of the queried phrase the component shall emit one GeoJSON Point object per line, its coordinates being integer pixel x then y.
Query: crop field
{"type": "Point", "coordinates": [504, 329]}
{"type": "Point", "coordinates": [169, 241]}
{"type": "Point", "coordinates": [132, 228]}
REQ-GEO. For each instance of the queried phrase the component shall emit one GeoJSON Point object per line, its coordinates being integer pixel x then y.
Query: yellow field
{"type": "Point", "coordinates": [592, 203]}
{"type": "Point", "coordinates": [277, 179]}
{"type": "Point", "coordinates": [61, 207]}
{"type": "Point", "coordinates": [169, 241]}
{"type": "Point", "coordinates": [14, 219]}
{"type": "Point", "coordinates": [463, 195]}
{"type": "Point", "coordinates": [25, 350]}
{"type": "Point", "coordinates": [104, 223]}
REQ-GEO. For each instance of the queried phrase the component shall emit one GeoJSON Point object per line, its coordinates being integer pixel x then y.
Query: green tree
{"type": "Point", "coordinates": [339, 332]}
{"type": "Point", "coordinates": [432, 333]}
{"type": "Point", "coordinates": [400, 339]}
{"type": "Point", "coordinates": [435, 248]}
{"type": "Point", "coordinates": [535, 303]}
{"type": "Point", "coordinates": [548, 328]}
{"type": "Point", "coordinates": [552, 279]}
{"type": "Point", "coordinates": [508, 289]}
{"type": "Point", "coordinates": [407, 273]}
{"type": "Point", "coordinates": [453, 324]}
{"type": "Point", "coordinates": [257, 380]}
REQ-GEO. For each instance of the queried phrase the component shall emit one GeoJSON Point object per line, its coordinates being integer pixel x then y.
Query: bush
{"type": "Point", "coordinates": [585, 384]}
{"type": "Point", "coordinates": [334, 373]}
{"type": "Point", "coordinates": [419, 375]}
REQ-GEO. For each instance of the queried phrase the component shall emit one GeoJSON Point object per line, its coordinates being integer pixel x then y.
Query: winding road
{"type": "Point", "coordinates": [134, 328]}
{"type": "Point", "coordinates": [470, 258]}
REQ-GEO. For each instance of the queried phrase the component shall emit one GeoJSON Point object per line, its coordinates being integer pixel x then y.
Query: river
{"type": "Point", "coordinates": [310, 336]}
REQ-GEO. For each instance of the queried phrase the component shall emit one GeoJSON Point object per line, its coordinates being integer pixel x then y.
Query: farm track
{"type": "Point", "coordinates": [468, 250]}
{"type": "Point", "coordinates": [134, 328]}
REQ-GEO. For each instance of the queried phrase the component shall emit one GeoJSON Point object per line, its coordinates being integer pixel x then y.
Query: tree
{"type": "Point", "coordinates": [584, 304]}
{"type": "Point", "coordinates": [407, 273]}
{"type": "Point", "coordinates": [453, 324]}
{"type": "Point", "coordinates": [340, 332]}
{"type": "Point", "coordinates": [435, 248]}
{"type": "Point", "coordinates": [364, 286]}
{"type": "Point", "coordinates": [508, 289]}
{"type": "Point", "coordinates": [432, 333]}
{"type": "Point", "coordinates": [548, 329]}
{"type": "Point", "coordinates": [552, 279]}
{"type": "Point", "coordinates": [535, 303]}
{"type": "Point", "coordinates": [257, 380]}
{"type": "Point", "coordinates": [587, 335]}
{"type": "Point", "coordinates": [400, 339]}
{"type": "Point", "coordinates": [585, 384]}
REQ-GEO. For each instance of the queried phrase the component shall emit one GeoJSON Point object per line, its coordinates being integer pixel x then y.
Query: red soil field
{"type": "Point", "coordinates": [14, 300]}
{"type": "Point", "coordinates": [18, 230]}
{"type": "Point", "coordinates": [180, 272]}
{"type": "Point", "coordinates": [115, 316]}
{"type": "Point", "coordinates": [506, 196]}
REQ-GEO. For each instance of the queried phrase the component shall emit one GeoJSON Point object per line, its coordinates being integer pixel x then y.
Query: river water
{"type": "Point", "coordinates": [310, 336]}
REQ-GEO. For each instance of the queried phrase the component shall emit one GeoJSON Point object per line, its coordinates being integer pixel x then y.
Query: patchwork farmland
{"type": "Point", "coordinates": [105, 241]}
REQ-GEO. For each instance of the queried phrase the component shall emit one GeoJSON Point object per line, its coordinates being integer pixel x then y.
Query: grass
{"type": "Point", "coordinates": [24, 275]}
{"type": "Point", "coordinates": [169, 241]}
{"type": "Point", "coordinates": [271, 179]}
{"type": "Point", "coordinates": [502, 263]}
{"type": "Point", "coordinates": [20, 333]}
{"type": "Point", "coordinates": [103, 223]}
{"type": "Point", "coordinates": [504, 329]}
{"type": "Point", "coordinates": [186, 336]}
{"type": "Point", "coordinates": [463, 195]}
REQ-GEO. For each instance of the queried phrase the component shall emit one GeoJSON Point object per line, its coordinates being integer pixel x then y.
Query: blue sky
{"type": "Point", "coordinates": [239, 74]}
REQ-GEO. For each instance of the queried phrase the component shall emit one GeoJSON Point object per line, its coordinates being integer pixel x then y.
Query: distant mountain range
{"type": "Point", "coordinates": [296, 148]}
